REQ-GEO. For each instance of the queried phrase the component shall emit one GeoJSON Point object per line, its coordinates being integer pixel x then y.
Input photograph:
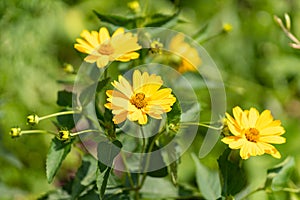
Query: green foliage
{"type": "Point", "coordinates": [64, 98]}
{"type": "Point", "coordinates": [85, 176]}
{"type": "Point", "coordinates": [278, 177]}
{"type": "Point", "coordinates": [233, 177]}
{"type": "Point", "coordinates": [207, 180]}
{"type": "Point", "coordinates": [57, 153]}
{"type": "Point", "coordinates": [265, 67]}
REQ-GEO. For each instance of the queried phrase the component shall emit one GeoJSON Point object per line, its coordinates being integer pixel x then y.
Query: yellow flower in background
{"type": "Point", "coordinates": [102, 48]}
{"type": "Point", "coordinates": [190, 59]}
{"type": "Point", "coordinates": [141, 98]}
{"type": "Point", "coordinates": [253, 132]}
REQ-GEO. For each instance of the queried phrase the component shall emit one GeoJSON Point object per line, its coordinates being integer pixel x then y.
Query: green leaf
{"type": "Point", "coordinates": [107, 151]}
{"type": "Point", "coordinates": [57, 152]}
{"type": "Point", "coordinates": [174, 114]}
{"type": "Point", "coordinates": [233, 177]}
{"type": "Point", "coordinates": [279, 175]}
{"type": "Point", "coordinates": [155, 159]}
{"type": "Point", "coordinates": [207, 180]}
{"type": "Point", "coordinates": [102, 84]}
{"type": "Point", "coordinates": [158, 188]}
{"type": "Point", "coordinates": [117, 20]}
{"type": "Point", "coordinates": [64, 98]}
{"type": "Point", "coordinates": [54, 195]}
{"type": "Point", "coordinates": [88, 94]}
{"type": "Point", "coordinates": [67, 121]}
{"type": "Point", "coordinates": [101, 181]}
{"type": "Point", "coordinates": [84, 176]}
{"type": "Point", "coordinates": [159, 19]}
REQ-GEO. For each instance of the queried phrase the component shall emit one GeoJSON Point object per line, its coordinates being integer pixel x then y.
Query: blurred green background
{"type": "Point", "coordinates": [258, 67]}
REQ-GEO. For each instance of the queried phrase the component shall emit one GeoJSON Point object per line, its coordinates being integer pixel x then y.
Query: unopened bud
{"type": "Point", "coordinates": [15, 132]}
{"type": "Point", "coordinates": [33, 119]}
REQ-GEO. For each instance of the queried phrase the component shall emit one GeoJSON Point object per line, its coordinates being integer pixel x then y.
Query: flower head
{"type": "Point", "coordinates": [33, 119]}
{"type": "Point", "coordinates": [141, 98]}
{"type": "Point", "coordinates": [15, 132]}
{"type": "Point", "coordinates": [102, 48]}
{"type": "Point", "coordinates": [253, 132]}
{"type": "Point", "coordinates": [189, 56]}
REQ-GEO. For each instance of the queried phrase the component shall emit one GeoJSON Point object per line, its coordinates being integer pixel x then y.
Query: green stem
{"type": "Point", "coordinates": [254, 191]}
{"type": "Point", "coordinates": [58, 114]}
{"type": "Point", "coordinates": [292, 190]}
{"type": "Point", "coordinates": [148, 159]}
{"type": "Point", "coordinates": [85, 131]}
{"type": "Point", "coordinates": [26, 132]}
{"type": "Point", "coordinates": [202, 124]}
{"type": "Point", "coordinates": [127, 170]}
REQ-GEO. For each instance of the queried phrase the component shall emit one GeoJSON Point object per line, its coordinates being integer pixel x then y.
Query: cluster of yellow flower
{"type": "Point", "coordinates": [251, 132]}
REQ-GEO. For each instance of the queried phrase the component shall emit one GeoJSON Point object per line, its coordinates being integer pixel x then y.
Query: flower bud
{"type": "Point", "coordinates": [134, 6]}
{"type": "Point", "coordinates": [68, 68]}
{"type": "Point", "coordinates": [156, 47]}
{"type": "Point", "coordinates": [33, 119]}
{"type": "Point", "coordinates": [64, 135]}
{"type": "Point", "coordinates": [15, 132]}
{"type": "Point", "coordinates": [227, 28]}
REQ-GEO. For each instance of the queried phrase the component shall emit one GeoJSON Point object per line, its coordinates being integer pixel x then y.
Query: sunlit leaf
{"type": "Point", "coordinates": [208, 181]}
{"type": "Point", "coordinates": [57, 153]}
{"type": "Point", "coordinates": [279, 175]}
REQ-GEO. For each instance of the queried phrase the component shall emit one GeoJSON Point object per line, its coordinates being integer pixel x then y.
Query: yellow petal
{"type": "Point", "coordinates": [102, 61]}
{"type": "Point", "coordinates": [237, 114]}
{"type": "Point", "coordinates": [123, 86]}
{"type": "Point", "coordinates": [104, 35]}
{"type": "Point", "coordinates": [275, 130]}
{"type": "Point", "coordinates": [229, 139]}
{"type": "Point", "coordinates": [253, 116]}
{"type": "Point", "coordinates": [136, 80]}
{"type": "Point", "coordinates": [234, 130]}
{"type": "Point", "coordinates": [91, 58]}
{"type": "Point", "coordinates": [264, 119]}
{"type": "Point", "coordinates": [275, 139]}
{"type": "Point", "coordinates": [117, 119]}
{"type": "Point", "coordinates": [118, 31]}
{"type": "Point", "coordinates": [237, 144]}
{"type": "Point", "coordinates": [91, 39]}
{"type": "Point", "coordinates": [269, 149]}
{"type": "Point", "coordinates": [245, 151]}
{"type": "Point", "coordinates": [128, 56]}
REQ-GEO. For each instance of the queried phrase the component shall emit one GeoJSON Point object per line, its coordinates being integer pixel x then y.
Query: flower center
{"type": "Point", "coordinates": [252, 134]}
{"type": "Point", "coordinates": [106, 49]}
{"type": "Point", "coordinates": [138, 100]}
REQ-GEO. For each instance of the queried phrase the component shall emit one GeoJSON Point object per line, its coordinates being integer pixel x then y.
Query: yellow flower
{"type": "Point", "coordinates": [252, 132]}
{"type": "Point", "coordinates": [144, 97]}
{"type": "Point", "coordinates": [190, 59]}
{"type": "Point", "coordinates": [102, 48]}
